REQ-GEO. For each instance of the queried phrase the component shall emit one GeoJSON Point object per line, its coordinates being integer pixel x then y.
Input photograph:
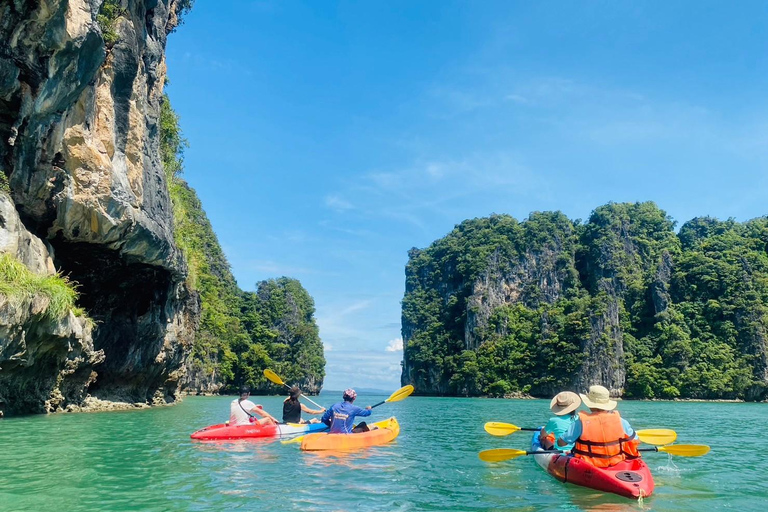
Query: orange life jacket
{"type": "Point", "coordinates": [603, 442]}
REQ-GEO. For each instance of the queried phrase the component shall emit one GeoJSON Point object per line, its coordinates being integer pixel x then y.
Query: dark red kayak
{"type": "Point", "coordinates": [631, 478]}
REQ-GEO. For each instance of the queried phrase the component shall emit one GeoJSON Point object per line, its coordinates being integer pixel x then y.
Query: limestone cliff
{"type": "Point", "coordinates": [79, 147]}
{"type": "Point", "coordinates": [502, 307]}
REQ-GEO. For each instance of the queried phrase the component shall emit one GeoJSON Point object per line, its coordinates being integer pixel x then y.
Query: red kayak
{"type": "Point", "coordinates": [631, 478]}
{"type": "Point", "coordinates": [255, 431]}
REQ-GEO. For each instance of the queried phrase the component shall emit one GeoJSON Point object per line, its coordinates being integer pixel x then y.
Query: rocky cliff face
{"type": "Point", "coordinates": [45, 362]}
{"type": "Point", "coordinates": [499, 307]}
{"type": "Point", "coordinates": [79, 145]}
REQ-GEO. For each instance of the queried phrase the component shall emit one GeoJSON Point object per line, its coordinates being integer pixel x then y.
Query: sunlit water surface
{"type": "Point", "coordinates": [144, 460]}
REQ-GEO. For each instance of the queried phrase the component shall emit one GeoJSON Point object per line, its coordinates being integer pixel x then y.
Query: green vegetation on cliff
{"type": "Point", "coordinates": [240, 333]}
{"type": "Point", "coordinates": [111, 10]}
{"type": "Point", "coordinates": [18, 284]}
{"type": "Point", "coordinates": [4, 185]}
{"type": "Point", "coordinates": [500, 306]}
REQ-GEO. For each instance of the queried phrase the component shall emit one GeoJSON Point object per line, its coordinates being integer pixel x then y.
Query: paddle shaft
{"type": "Point", "coordinates": [541, 452]}
{"type": "Point", "coordinates": [305, 396]}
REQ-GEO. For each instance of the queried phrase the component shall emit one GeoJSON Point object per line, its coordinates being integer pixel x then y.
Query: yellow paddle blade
{"type": "Point", "coordinates": [657, 436]}
{"type": "Point", "coordinates": [498, 428]}
{"type": "Point", "coordinates": [400, 394]}
{"type": "Point", "coordinates": [292, 441]}
{"type": "Point", "coordinates": [685, 450]}
{"type": "Point", "coordinates": [272, 376]}
{"type": "Point", "coordinates": [500, 454]}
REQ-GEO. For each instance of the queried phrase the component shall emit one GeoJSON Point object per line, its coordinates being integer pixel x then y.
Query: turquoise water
{"type": "Point", "coordinates": [144, 460]}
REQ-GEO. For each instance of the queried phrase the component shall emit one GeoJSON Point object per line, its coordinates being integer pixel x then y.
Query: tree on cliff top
{"type": "Point", "coordinates": [692, 308]}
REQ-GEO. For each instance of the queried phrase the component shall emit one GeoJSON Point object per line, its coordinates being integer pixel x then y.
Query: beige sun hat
{"type": "Point", "coordinates": [598, 398]}
{"type": "Point", "coordinates": [564, 402]}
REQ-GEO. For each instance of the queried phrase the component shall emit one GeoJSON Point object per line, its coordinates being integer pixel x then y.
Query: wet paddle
{"type": "Point", "coordinates": [398, 395]}
{"type": "Point", "coordinates": [272, 376]}
{"type": "Point", "coordinates": [648, 436]}
{"type": "Point", "coordinates": [682, 450]}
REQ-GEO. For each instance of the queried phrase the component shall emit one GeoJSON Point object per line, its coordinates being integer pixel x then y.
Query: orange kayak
{"type": "Point", "coordinates": [387, 431]}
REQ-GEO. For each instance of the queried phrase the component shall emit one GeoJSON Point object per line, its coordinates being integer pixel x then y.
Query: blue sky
{"type": "Point", "coordinates": [328, 138]}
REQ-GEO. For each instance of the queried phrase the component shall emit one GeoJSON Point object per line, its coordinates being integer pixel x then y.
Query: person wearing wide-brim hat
{"type": "Point", "coordinates": [563, 406]}
{"type": "Point", "coordinates": [600, 436]}
{"type": "Point", "coordinates": [598, 398]}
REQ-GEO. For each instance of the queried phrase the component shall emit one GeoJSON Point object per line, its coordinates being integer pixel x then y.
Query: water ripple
{"type": "Point", "coordinates": [144, 460]}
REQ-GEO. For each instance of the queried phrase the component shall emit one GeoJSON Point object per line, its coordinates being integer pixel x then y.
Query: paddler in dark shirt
{"type": "Point", "coordinates": [292, 408]}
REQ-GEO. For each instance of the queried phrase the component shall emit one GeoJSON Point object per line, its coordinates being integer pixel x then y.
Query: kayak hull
{"type": "Point", "coordinates": [223, 431]}
{"type": "Point", "coordinates": [631, 478]}
{"type": "Point", "coordinates": [386, 432]}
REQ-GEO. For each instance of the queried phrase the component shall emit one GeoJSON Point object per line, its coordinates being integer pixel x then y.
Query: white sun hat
{"type": "Point", "coordinates": [598, 398]}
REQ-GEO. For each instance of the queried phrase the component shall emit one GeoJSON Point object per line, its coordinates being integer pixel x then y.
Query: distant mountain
{"type": "Point", "coordinates": [367, 391]}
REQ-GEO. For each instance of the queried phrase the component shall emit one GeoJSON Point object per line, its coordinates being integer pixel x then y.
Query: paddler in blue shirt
{"type": "Point", "coordinates": [563, 406]}
{"type": "Point", "coordinates": [341, 416]}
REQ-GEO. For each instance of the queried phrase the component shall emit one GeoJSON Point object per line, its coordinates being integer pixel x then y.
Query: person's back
{"type": "Point", "coordinates": [601, 437]}
{"type": "Point", "coordinates": [564, 406]}
{"type": "Point", "coordinates": [603, 441]}
{"type": "Point", "coordinates": [243, 412]}
{"type": "Point", "coordinates": [291, 410]}
{"type": "Point", "coordinates": [340, 417]}
{"type": "Point", "coordinates": [237, 412]}
{"type": "Point", "coordinates": [556, 427]}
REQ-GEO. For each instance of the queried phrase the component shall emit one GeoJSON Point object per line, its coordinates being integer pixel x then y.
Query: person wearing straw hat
{"type": "Point", "coordinates": [563, 406]}
{"type": "Point", "coordinates": [601, 436]}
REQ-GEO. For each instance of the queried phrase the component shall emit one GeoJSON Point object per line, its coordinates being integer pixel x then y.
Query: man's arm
{"type": "Point", "coordinates": [359, 411]}
{"type": "Point", "coordinates": [263, 413]}
{"type": "Point", "coordinates": [628, 430]}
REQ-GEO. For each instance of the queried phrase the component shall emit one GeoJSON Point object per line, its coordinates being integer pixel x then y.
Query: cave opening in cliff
{"type": "Point", "coordinates": [127, 303]}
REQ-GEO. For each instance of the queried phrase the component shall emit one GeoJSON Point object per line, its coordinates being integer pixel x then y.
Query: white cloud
{"type": "Point", "coordinates": [338, 204]}
{"type": "Point", "coordinates": [395, 345]}
{"type": "Point", "coordinates": [339, 323]}
{"type": "Point", "coordinates": [440, 186]}
{"type": "Point", "coordinates": [355, 306]}
{"type": "Point", "coordinates": [327, 347]}
{"type": "Point", "coordinates": [516, 98]}
{"type": "Point", "coordinates": [362, 368]}
{"type": "Point", "coordinates": [278, 269]}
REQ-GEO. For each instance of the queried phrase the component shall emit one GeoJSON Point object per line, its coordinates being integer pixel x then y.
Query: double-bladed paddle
{"type": "Point", "coordinates": [683, 450]}
{"type": "Point", "coordinates": [272, 376]}
{"type": "Point", "coordinates": [398, 395]}
{"type": "Point", "coordinates": [649, 436]}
